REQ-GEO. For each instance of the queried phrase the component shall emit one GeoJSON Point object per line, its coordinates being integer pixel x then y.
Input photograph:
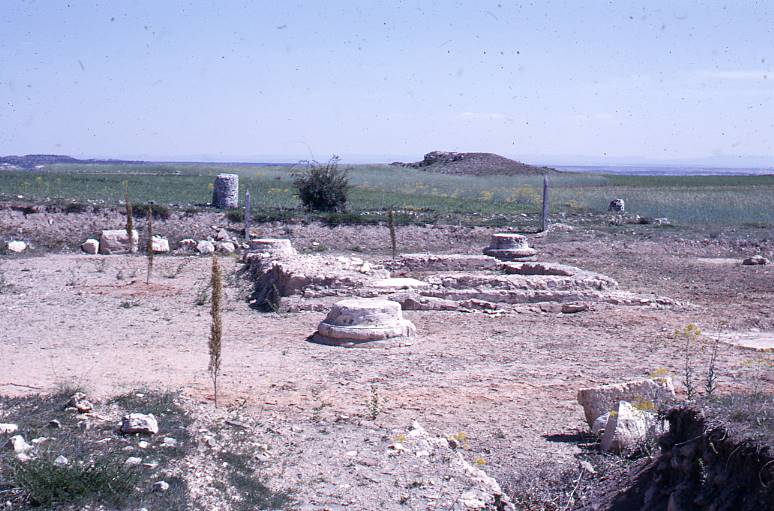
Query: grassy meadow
{"type": "Point", "coordinates": [418, 195]}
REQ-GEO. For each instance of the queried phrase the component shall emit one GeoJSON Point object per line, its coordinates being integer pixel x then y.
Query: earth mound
{"type": "Point", "coordinates": [474, 164]}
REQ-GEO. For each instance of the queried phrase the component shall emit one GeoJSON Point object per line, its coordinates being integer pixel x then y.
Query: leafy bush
{"type": "Point", "coordinates": [159, 212]}
{"type": "Point", "coordinates": [322, 187]}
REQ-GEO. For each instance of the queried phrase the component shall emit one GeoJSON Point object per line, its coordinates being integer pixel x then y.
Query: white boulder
{"type": "Point", "coordinates": [205, 247]}
{"type": "Point", "coordinates": [139, 423]}
{"type": "Point", "coordinates": [160, 245]}
{"type": "Point", "coordinates": [646, 393]}
{"type": "Point", "coordinates": [17, 444]}
{"type": "Point", "coordinates": [7, 428]}
{"type": "Point", "coordinates": [17, 246]}
{"type": "Point", "coordinates": [226, 247]}
{"type": "Point", "coordinates": [90, 246]}
{"type": "Point", "coordinates": [117, 241]}
{"type": "Point", "coordinates": [627, 428]}
{"type": "Point", "coordinates": [188, 244]}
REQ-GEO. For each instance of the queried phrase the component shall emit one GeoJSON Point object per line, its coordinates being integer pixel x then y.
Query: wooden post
{"type": "Point", "coordinates": [248, 214]}
{"type": "Point", "coordinates": [544, 219]}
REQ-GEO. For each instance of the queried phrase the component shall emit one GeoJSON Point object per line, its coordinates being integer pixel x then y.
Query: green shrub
{"type": "Point", "coordinates": [158, 211]}
{"type": "Point", "coordinates": [322, 187]}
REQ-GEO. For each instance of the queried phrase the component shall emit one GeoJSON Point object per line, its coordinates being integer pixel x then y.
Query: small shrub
{"type": "Point", "coordinates": [322, 187]}
{"type": "Point", "coordinates": [149, 245]}
{"type": "Point", "coordinates": [47, 484]}
{"type": "Point", "coordinates": [75, 207]}
{"type": "Point", "coordinates": [235, 216]}
{"type": "Point", "coordinates": [374, 404]}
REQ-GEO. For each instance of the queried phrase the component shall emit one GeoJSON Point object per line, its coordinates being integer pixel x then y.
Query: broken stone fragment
{"type": "Point", "coordinates": [139, 423]}
{"type": "Point", "coordinates": [205, 247]}
{"type": "Point", "coordinates": [61, 461]}
{"type": "Point", "coordinates": [17, 246]}
{"type": "Point", "coordinates": [161, 486]}
{"type": "Point", "coordinates": [627, 428]}
{"type": "Point", "coordinates": [645, 393]}
{"type": "Point", "coordinates": [17, 444]}
{"type": "Point", "coordinates": [188, 244]}
{"type": "Point", "coordinates": [755, 260]}
{"type": "Point", "coordinates": [90, 246]}
{"type": "Point", "coordinates": [159, 245]}
{"type": "Point", "coordinates": [117, 241]}
{"type": "Point", "coordinates": [79, 402]}
{"type": "Point", "coordinates": [7, 429]}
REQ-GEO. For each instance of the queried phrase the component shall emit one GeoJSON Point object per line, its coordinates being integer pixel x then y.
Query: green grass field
{"type": "Point", "coordinates": [419, 195]}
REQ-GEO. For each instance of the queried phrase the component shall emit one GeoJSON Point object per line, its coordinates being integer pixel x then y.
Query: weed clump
{"type": "Point", "coordinates": [322, 187]}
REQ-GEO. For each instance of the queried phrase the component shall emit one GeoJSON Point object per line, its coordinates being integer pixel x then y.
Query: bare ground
{"type": "Point", "coordinates": [508, 382]}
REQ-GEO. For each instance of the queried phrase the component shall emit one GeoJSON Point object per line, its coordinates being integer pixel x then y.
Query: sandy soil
{"type": "Point", "coordinates": [507, 382]}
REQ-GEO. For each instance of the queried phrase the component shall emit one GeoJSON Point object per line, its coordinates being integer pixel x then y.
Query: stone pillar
{"type": "Point", "coordinates": [225, 191]}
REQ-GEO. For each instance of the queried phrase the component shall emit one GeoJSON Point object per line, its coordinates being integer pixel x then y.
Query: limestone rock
{"type": "Point", "coordinates": [17, 444]}
{"type": "Point", "coordinates": [755, 260]}
{"type": "Point", "coordinates": [617, 205]}
{"type": "Point", "coordinates": [277, 247]}
{"type": "Point", "coordinates": [139, 423]}
{"type": "Point", "coordinates": [205, 247]}
{"type": "Point", "coordinates": [17, 246]}
{"type": "Point", "coordinates": [61, 461]}
{"type": "Point", "coordinates": [116, 241]}
{"type": "Point", "coordinates": [365, 323]}
{"type": "Point", "coordinates": [80, 403]}
{"type": "Point", "coordinates": [7, 428]}
{"type": "Point", "coordinates": [647, 392]}
{"type": "Point", "coordinates": [90, 246]}
{"type": "Point", "coordinates": [225, 191]}
{"type": "Point", "coordinates": [226, 247]}
{"type": "Point", "coordinates": [509, 246]}
{"type": "Point", "coordinates": [188, 244]}
{"type": "Point", "coordinates": [133, 461]}
{"type": "Point", "coordinates": [627, 428]}
{"type": "Point", "coordinates": [222, 235]}
{"type": "Point", "coordinates": [600, 423]}
{"type": "Point", "coordinates": [159, 245]}
{"type": "Point", "coordinates": [160, 486]}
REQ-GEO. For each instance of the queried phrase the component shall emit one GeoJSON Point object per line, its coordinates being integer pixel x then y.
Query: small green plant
{"type": "Point", "coordinates": [175, 272]}
{"type": "Point", "coordinates": [216, 328]}
{"type": "Point", "coordinates": [644, 405]}
{"type": "Point", "coordinates": [660, 372]}
{"type": "Point", "coordinates": [322, 187]}
{"type": "Point", "coordinates": [374, 404]}
{"type": "Point", "coordinates": [149, 245]}
{"type": "Point", "coordinates": [393, 240]}
{"type": "Point", "coordinates": [479, 461]}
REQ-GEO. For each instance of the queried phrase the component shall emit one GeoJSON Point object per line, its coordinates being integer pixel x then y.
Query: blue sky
{"type": "Point", "coordinates": [550, 81]}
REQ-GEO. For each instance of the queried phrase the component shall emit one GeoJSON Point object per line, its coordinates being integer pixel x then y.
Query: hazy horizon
{"type": "Point", "coordinates": [564, 83]}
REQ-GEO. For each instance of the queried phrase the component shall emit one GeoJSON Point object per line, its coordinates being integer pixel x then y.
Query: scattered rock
{"type": "Point", "coordinates": [627, 428]}
{"type": "Point", "coordinates": [133, 461]}
{"type": "Point", "coordinates": [17, 246]}
{"type": "Point", "coordinates": [226, 247]}
{"type": "Point", "coordinates": [222, 235]}
{"type": "Point", "coordinates": [17, 444]}
{"type": "Point", "coordinates": [188, 244]}
{"type": "Point", "coordinates": [161, 486]}
{"type": "Point", "coordinates": [617, 205]}
{"type": "Point", "coordinates": [7, 428]}
{"type": "Point", "coordinates": [160, 245]}
{"type": "Point", "coordinates": [90, 246]}
{"type": "Point", "coordinates": [755, 260]}
{"type": "Point", "coordinates": [600, 423]}
{"type": "Point", "coordinates": [205, 247]}
{"type": "Point", "coordinates": [79, 402]}
{"type": "Point", "coordinates": [117, 242]}
{"type": "Point", "coordinates": [139, 423]}
{"type": "Point", "coordinates": [648, 392]}
{"type": "Point", "coordinates": [169, 442]}
{"type": "Point", "coordinates": [61, 461]}
{"type": "Point", "coordinates": [54, 424]}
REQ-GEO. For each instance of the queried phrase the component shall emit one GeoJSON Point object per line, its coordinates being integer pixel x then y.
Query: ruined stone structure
{"type": "Point", "coordinates": [617, 205]}
{"type": "Point", "coordinates": [225, 191]}
{"type": "Point", "coordinates": [273, 246]}
{"type": "Point", "coordinates": [365, 323]}
{"type": "Point", "coordinates": [509, 246]}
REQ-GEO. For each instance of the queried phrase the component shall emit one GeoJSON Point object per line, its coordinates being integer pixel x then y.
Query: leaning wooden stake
{"type": "Point", "coordinates": [544, 217]}
{"type": "Point", "coordinates": [149, 245]}
{"type": "Point", "coordinates": [216, 328]}
{"type": "Point", "coordinates": [248, 215]}
{"type": "Point", "coordinates": [129, 220]}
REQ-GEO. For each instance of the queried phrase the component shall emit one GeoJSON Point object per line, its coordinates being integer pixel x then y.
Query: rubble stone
{"type": "Point", "coordinates": [117, 241]}
{"type": "Point", "coordinates": [646, 392]}
{"type": "Point", "coordinates": [90, 246]}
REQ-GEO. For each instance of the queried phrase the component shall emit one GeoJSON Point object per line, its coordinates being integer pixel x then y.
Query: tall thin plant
{"type": "Point", "coordinates": [712, 377]}
{"type": "Point", "coordinates": [690, 334]}
{"type": "Point", "coordinates": [216, 328]}
{"type": "Point", "coordinates": [393, 240]}
{"type": "Point", "coordinates": [129, 219]}
{"type": "Point", "coordinates": [149, 245]}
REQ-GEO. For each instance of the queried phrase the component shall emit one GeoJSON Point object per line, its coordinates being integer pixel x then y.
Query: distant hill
{"type": "Point", "coordinates": [30, 161]}
{"type": "Point", "coordinates": [474, 164]}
